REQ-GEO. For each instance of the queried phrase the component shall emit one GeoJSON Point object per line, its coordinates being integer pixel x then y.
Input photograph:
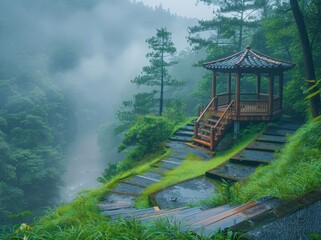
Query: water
{"type": "Point", "coordinates": [84, 165]}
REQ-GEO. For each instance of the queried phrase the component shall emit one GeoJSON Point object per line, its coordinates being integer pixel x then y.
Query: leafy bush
{"type": "Point", "coordinates": [147, 135]}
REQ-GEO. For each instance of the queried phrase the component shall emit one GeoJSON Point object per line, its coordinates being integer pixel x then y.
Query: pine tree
{"type": "Point", "coordinates": [233, 23]}
{"type": "Point", "coordinates": [160, 58]}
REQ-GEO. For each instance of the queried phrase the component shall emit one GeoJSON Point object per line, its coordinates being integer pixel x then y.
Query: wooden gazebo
{"type": "Point", "coordinates": [232, 107]}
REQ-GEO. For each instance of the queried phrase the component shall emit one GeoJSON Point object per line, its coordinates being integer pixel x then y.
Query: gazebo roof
{"type": "Point", "coordinates": [248, 61]}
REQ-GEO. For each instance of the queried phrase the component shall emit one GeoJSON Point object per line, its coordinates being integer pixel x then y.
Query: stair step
{"type": "Point", "coordinates": [184, 133]}
{"type": "Point", "coordinates": [231, 171]}
{"type": "Point", "coordinates": [169, 165]}
{"type": "Point", "coordinates": [289, 126]}
{"type": "Point", "coordinates": [181, 138]}
{"type": "Point", "coordinates": [278, 131]}
{"type": "Point", "coordinates": [265, 146]}
{"type": "Point", "coordinates": [249, 156]}
{"type": "Point", "coordinates": [152, 176]}
{"type": "Point", "coordinates": [202, 142]}
{"type": "Point", "coordinates": [204, 137]}
{"type": "Point", "coordinates": [208, 214]}
{"type": "Point", "coordinates": [188, 128]}
{"type": "Point", "coordinates": [128, 189]}
{"type": "Point", "coordinates": [108, 207]}
{"type": "Point", "coordinates": [235, 216]}
{"type": "Point", "coordinates": [272, 138]}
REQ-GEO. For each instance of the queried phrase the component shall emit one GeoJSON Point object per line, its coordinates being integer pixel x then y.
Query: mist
{"type": "Point", "coordinates": [90, 49]}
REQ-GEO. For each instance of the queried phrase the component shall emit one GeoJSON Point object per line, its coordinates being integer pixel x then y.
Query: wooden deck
{"type": "Point", "coordinates": [223, 110]}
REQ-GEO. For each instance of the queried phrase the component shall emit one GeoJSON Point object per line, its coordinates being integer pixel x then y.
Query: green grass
{"type": "Point", "coordinates": [193, 166]}
{"type": "Point", "coordinates": [296, 170]}
{"type": "Point", "coordinates": [81, 219]}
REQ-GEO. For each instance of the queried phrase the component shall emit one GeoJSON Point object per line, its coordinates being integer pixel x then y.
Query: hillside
{"type": "Point", "coordinates": [295, 172]}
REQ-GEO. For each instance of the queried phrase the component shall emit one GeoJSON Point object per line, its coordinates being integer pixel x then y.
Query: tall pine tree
{"type": "Point", "coordinates": [162, 50]}
{"type": "Point", "coordinates": [233, 24]}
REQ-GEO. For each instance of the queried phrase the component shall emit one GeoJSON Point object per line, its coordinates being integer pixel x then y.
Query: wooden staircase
{"type": "Point", "coordinates": [212, 124]}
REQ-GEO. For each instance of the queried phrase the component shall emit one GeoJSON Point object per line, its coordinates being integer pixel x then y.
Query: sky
{"type": "Point", "coordinates": [185, 8]}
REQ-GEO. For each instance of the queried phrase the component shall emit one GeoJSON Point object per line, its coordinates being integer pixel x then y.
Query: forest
{"type": "Point", "coordinates": [70, 67]}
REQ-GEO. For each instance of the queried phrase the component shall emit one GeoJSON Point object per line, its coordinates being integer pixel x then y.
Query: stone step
{"type": "Point", "coordinates": [234, 216]}
{"type": "Point", "coordinates": [278, 131]}
{"type": "Point", "coordinates": [140, 181]}
{"type": "Point", "coordinates": [288, 125]}
{"type": "Point", "coordinates": [188, 213]}
{"type": "Point", "coordinates": [188, 133]}
{"type": "Point", "coordinates": [231, 171]}
{"type": "Point", "coordinates": [127, 189]}
{"type": "Point", "coordinates": [248, 156]}
{"type": "Point", "coordinates": [182, 194]}
{"type": "Point", "coordinates": [159, 170]}
{"type": "Point", "coordinates": [128, 213]}
{"type": "Point", "coordinates": [293, 219]}
{"type": "Point", "coordinates": [272, 138]}
{"type": "Point", "coordinates": [174, 160]}
{"type": "Point", "coordinates": [114, 206]}
{"type": "Point", "coordinates": [265, 146]}
{"type": "Point", "coordinates": [181, 138]}
{"type": "Point", "coordinates": [152, 176]}
{"type": "Point", "coordinates": [208, 214]}
{"type": "Point", "coordinates": [117, 198]}
{"type": "Point", "coordinates": [169, 165]}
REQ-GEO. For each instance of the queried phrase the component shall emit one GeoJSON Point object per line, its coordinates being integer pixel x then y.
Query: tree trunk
{"type": "Point", "coordinates": [161, 100]}
{"type": "Point", "coordinates": [307, 57]}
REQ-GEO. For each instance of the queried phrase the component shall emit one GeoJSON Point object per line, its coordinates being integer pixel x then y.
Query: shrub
{"type": "Point", "coordinates": [147, 135]}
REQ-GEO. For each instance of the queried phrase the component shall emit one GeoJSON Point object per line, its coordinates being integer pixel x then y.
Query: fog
{"type": "Point", "coordinates": [91, 49]}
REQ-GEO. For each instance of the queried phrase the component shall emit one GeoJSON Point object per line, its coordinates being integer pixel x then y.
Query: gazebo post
{"type": "Point", "coordinates": [281, 89]}
{"type": "Point", "coordinates": [237, 102]}
{"type": "Point", "coordinates": [228, 87]}
{"type": "Point", "coordinates": [258, 86]}
{"type": "Point", "coordinates": [214, 89]}
{"type": "Point", "coordinates": [237, 94]}
{"type": "Point", "coordinates": [271, 93]}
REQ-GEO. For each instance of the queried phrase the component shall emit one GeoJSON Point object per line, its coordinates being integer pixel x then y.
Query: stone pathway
{"type": "Point", "coordinates": [120, 200]}
{"type": "Point", "coordinates": [260, 151]}
{"type": "Point", "coordinates": [247, 218]}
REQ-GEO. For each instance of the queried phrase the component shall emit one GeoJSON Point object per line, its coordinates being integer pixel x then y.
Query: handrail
{"type": "Point", "coordinates": [223, 115]}
{"type": "Point", "coordinates": [205, 110]}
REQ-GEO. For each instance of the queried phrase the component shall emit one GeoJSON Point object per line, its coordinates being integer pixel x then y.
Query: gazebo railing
{"type": "Point", "coordinates": [218, 131]}
{"type": "Point", "coordinates": [204, 116]}
{"type": "Point", "coordinates": [254, 107]}
{"type": "Point", "coordinates": [225, 98]}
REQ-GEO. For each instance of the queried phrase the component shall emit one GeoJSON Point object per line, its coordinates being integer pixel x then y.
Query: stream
{"type": "Point", "coordinates": [84, 165]}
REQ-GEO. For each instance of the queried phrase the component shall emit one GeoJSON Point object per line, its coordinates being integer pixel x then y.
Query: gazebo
{"type": "Point", "coordinates": [243, 104]}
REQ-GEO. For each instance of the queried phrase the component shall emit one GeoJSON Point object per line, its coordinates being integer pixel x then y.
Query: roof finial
{"type": "Point", "coordinates": [248, 47]}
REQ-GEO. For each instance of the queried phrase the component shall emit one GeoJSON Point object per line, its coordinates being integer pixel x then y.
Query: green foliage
{"type": "Point", "coordinates": [295, 171]}
{"type": "Point", "coordinates": [160, 57]}
{"type": "Point", "coordinates": [142, 104]}
{"type": "Point", "coordinates": [230, 27]}
{"type": "Point", "coordinates": [175, 111]}
{"type": "Point", "coordinates": [147, 135]}
{"type": "Point", "coordinates": [82, 220]}
{"type": "Point", "coordinates": [33, 133]}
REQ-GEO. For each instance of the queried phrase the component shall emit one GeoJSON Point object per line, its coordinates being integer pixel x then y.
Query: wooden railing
{"type": "Point", "coordinates": [254, 107]}
{"type": "Point", "coordinates": [204, 117]}
{"type": "Point", "coordinates": [218, 130]}
{"type": "Point", "coordinates": [223, 99]}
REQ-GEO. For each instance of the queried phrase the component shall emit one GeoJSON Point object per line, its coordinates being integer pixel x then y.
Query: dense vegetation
{"type": "Point", "coordinates": [37, 119]}
{"type": "Point", "coordinates": [34, 127]}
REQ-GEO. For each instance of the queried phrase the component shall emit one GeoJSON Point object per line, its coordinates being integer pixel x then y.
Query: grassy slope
{"type": "Point", "coordinates": [297, 169]}
{"type": "Point", "coordinates": [192, 167]}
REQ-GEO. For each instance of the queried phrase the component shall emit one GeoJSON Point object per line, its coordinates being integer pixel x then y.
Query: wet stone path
{"type": "Point", "coordinates": [120, 200]}
{"type": "Point", "coordinates": [174, 199]}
